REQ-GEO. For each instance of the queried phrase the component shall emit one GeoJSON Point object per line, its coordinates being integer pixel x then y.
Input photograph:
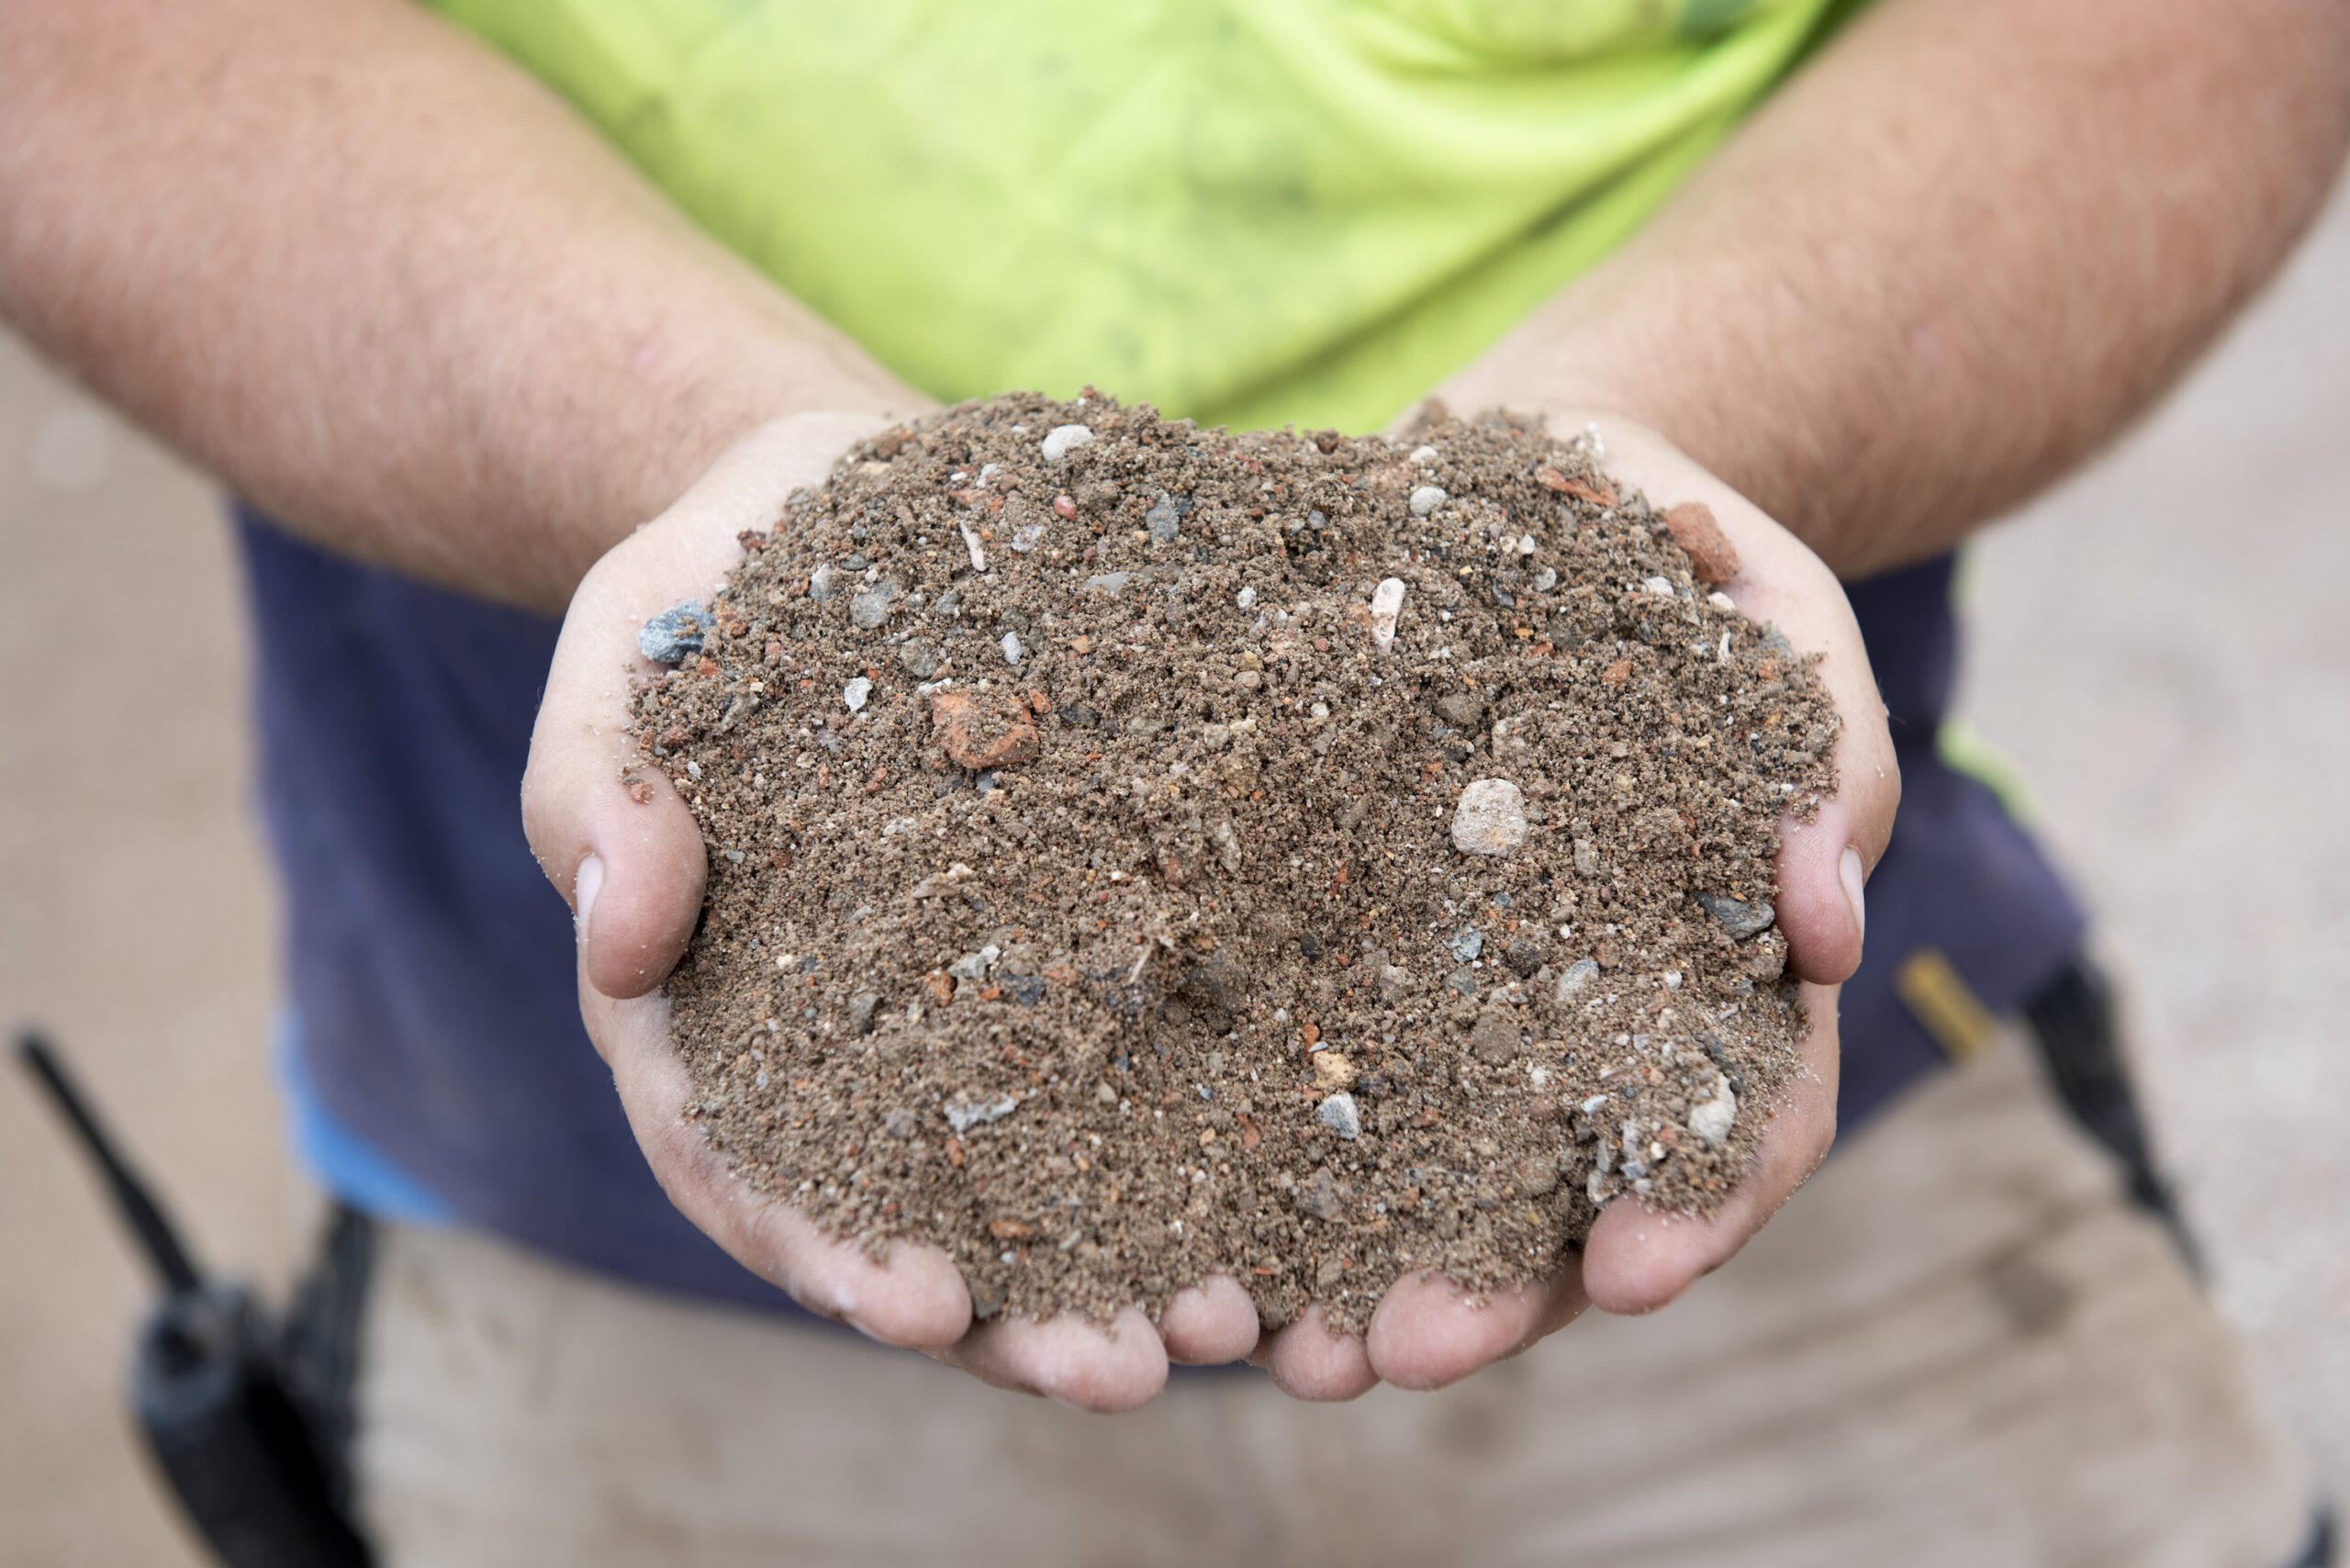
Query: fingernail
{"type": "Point", "coordinates": [584, 885]}
{"type": "Point", "coordinates": [1849, 870]}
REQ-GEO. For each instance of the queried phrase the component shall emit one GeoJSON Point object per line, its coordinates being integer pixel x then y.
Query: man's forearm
{"type": "Point", "coordinates": [381, 281]}
{"type": "Point", "coordinates": [1953, 255]}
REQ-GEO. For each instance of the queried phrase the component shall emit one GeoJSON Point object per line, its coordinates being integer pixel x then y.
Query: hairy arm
{"type": "Point", "coordinates": [1953, 255]}
{"type": "Point", "coordinates": [381, 281]}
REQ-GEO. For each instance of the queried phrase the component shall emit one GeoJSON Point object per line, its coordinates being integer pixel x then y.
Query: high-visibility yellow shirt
{"type": "Point", "coordinates": [1252, 211]}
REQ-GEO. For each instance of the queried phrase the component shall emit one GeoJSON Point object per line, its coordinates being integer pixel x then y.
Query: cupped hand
{"type": "Point", "coordinates": [1426, 1333]}
{"type": "Point", "coordinates": [615, 840]}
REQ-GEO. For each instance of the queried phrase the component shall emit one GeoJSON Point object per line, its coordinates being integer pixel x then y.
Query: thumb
{"type": "Point", "coordinates": [607, 828]}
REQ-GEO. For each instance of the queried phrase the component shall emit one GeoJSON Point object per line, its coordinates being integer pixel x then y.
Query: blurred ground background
{"type": "Point", "coordinates": [2159, 647]}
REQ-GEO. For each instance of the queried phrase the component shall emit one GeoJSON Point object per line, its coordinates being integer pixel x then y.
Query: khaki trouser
{"type": "Point", "coordinates": [1959, 1346]}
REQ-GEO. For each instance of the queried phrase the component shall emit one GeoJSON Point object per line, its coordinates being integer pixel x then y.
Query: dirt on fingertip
{"type": "Point", "coordinates": [1140, 853]}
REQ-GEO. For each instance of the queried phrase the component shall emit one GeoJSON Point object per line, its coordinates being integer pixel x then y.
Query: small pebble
{"type": "Point", "coordinates": [1424, 455]}
{"type": "Point", "coordinates": [1339, 1114]}
{"type": "Point", "coordinates": [1491, 817]}
{"type": "Point", "coordinates": [872, 608]}
{"type": "Point", "coordinates": [856, 693]}
{"type": "Point", "coordinates": [1012, 647]}
{"type": "Point", "coordinates": [1333, 1070]}
{"type": "Point", "coordinates": [1659, 587]}
{"type": "Point", "coordinates": [1741, 918]}
{"type": "Point", "coordinates": [918, 660]}
{"type": "Point", "coordinates": [1545, 580]}
{"type": "Point", "coordinates": [1425, 499]}
{"type": "Point", "coordinates": [1246, 599]}
{"type": "Point", "coordinates": [965, 1114]}
{"type": "Point", "coordinates": [1108, 582]}
{"type": "Point", "coordinates": [1466, 943]}
{"type": "Point", "coordinates": [674, 633]}
{"type": "Point", "coordinates": [1576, 976]}
{"type": "Point", "coordinates": [1061, 440]}
{"type": "Point", "coordinates": [1712, 1119]}
{"type": "Point", "coordinates": [1386, 608]}
{"type": "Point", "coordinates": [1164, 521]}
{"type": "Point", "coordinates": [820, 583]}
{"type": "Point", "coordinates": [1462, 710]}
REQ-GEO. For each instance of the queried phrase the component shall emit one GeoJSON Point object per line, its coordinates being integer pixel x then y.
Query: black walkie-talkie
{"type": "Point", "coordinates": [210, 1387]}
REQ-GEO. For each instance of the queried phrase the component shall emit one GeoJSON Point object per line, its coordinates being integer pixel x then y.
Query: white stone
{"type": "Point", "coordinates": [856, 692]}
{"type": "Point", "coordinates": [1061, 440]}
{"type": "Point", "coordinates": [1711, 1119]}
{"type": "Point", "coordinates": [1491, 817]}
{"type": "Point", "coordinates": [1659, 587]}
{"type": "Point", "coordinates": [1012, 647]}
{"type": "Point", "coordinates": [1424, 454]}
{"type": "Point", "coordinates": [1425, 499]}
{"type": "Point", "coordinates": [1246, 599]}
{"type": "Point", "coordinates": [1386, 606]}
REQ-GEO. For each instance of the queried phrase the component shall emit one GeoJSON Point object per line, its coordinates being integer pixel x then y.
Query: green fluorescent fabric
{"type": "Point", "coordinates": [1253, 211]}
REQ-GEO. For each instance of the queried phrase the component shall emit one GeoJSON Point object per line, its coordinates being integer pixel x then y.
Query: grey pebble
{"type": "Point", "coordinates": [1579, 974]}
{"type": "Point", "coordinates": [1545, 580]}
{"type": "Point", "coordinates": [965, 1114]}
{"type": "Point", "coordinates": [1425, 499]}
{"type": "Point", "coordinates": [1525, 956]}
{"type": "Point", "coordinates": [899, 1122]}
{"type": "Point", "coordinates": [1108, 582]}
{"type": "Point", "coordinates": [861, 1008]}
{"type": "Point", "coordinates": [1461, 709]}
{"type": "Point", "coordinates": [856, 693]}
{"type": "Point", "coordinates": [1466, 943]}
{"type": "Point", "coordinates": [1739, 918]}
{"type": "Point", "coordinates": [674, 633]}
{"type": "Point", "coordinates": [1339, 1114]}
{"type": "Point", "coordinates": [918, 660]}
{"type": "Point", "coordinates": [872, 608]}
{"type": "Point", "coordinates": [974, 966]}
{"type": "Point", "coordinates": [1164, 521]}
{"type": "Point", "coordinates": [1320, 1196]}
{"type": "Point", "coordinates": [821, 581]}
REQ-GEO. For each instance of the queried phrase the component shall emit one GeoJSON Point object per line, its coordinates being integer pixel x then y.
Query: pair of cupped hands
{"type": "Point", "coordinates": [634, 873]}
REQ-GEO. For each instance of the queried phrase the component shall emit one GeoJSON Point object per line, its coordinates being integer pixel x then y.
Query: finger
{"type": "Point", "coordinates": [1071, 1360]}
{"type": "Point", "coordinates": [1779, 581]}
{"type": "Point", "coordinates": [1638, 1258]}
{"type": "Point", "coordinates": [586, 790]}
{"type": "Point", "coordinates": [915, 1297]}
{"type": "Point", "coordinates": [1210, 1323]}
{"type": "Point", "coordinates": [1307, 1361]}
{"type": "Point", "coordinates": [1427, 1332]}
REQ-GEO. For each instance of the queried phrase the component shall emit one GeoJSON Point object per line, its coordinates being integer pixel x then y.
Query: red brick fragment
{"type": "Point", "coordinates": [1712, 558]}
